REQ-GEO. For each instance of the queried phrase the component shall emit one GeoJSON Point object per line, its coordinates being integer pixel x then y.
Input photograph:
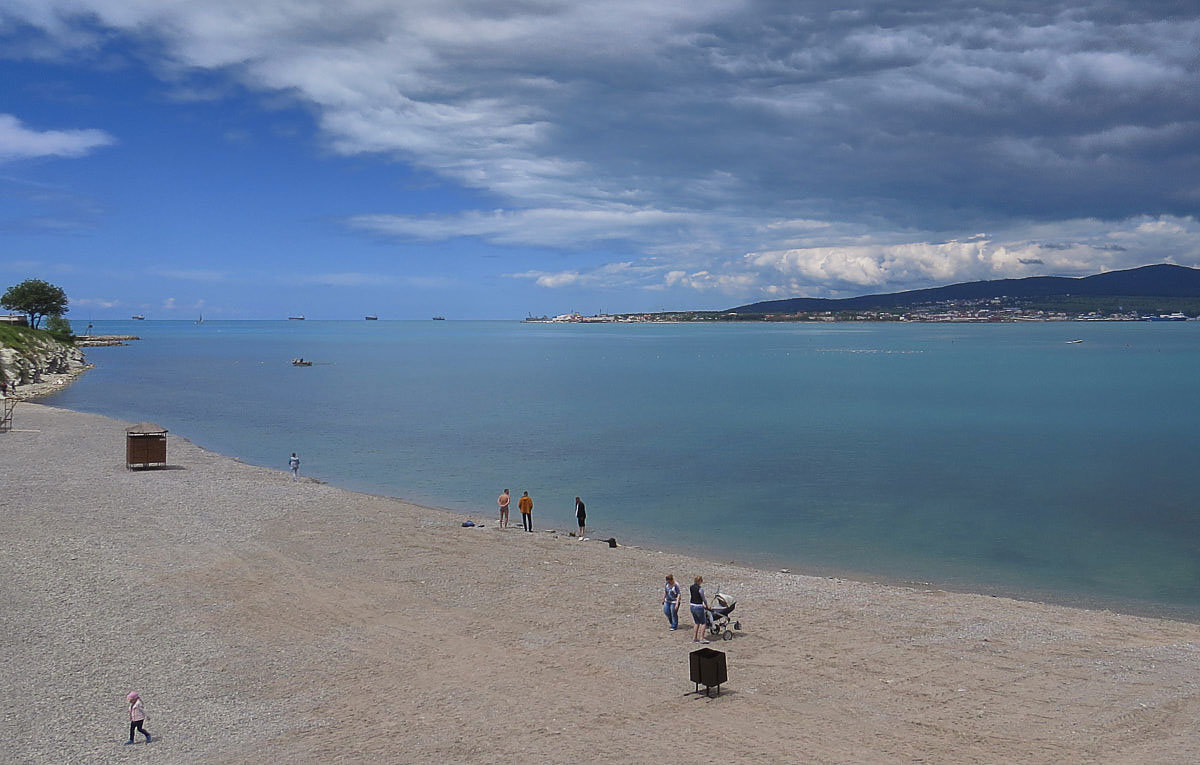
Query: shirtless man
{"type": "Point", "coordinates": [503, 501]}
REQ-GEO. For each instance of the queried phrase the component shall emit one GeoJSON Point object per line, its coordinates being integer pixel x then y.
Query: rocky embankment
{"type": "Point", "coordinates": [39, 365]}
{"type": "Point", "coordinates": [97, 341]}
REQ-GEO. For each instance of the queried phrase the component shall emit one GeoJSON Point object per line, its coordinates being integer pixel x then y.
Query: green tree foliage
{"type": "Point", "coordinates": [36, 299]}
{"type": "Point", "coordinates": [57, 325]}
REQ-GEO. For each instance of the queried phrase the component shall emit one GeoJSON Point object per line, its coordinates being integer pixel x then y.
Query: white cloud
{"type": "Point", "coordinates": [732, 284]}
{"type": "Point", "coordinates": [1071, 248]}
{"type": "Point", "coordinates": [20, 142]}
{"type": "Point", "coordinates": [841, 150]}
{"type": "Point", "coordinates": [573, 103]}
{"type": "Point", "coordinates": [553, 227]}
{"type": "Point", "coordinates": [96, 302]}
{"type": "Point", "coordinates": [820, 268]}
{"type": "Point", "coordinates": [608, 276]}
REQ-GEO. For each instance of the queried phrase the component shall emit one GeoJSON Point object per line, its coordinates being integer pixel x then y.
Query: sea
{"type": "Point", "coordinates": [994, 458]}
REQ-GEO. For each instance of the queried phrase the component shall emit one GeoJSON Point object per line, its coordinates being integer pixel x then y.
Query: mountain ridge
{"type": "Point", "coordinates": [1162, 280]}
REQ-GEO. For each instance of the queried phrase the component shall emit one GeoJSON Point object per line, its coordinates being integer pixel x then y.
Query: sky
{"type": "Point", "coordinates": [489, 160]}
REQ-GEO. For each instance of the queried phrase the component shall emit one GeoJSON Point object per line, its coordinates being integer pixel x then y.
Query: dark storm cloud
{"type": "Point", "coordinates": [698, 132]}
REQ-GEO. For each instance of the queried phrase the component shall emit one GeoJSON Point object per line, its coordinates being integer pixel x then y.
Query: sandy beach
{"type": "Point", "coordinates": [266, 620]}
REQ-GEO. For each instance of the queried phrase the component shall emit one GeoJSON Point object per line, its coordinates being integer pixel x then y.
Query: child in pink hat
{"type": "Point", "coordinates": [137, 716]}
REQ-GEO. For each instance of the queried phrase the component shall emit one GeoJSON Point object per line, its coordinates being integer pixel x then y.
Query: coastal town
{"type": "Point", "coordinates": [993, 310]}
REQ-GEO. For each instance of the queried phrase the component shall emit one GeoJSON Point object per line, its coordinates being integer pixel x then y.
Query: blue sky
{"type": "Point", "coordinates": [485, 160]}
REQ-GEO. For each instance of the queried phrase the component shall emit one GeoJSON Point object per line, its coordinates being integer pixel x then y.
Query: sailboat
{"type": "Point", "coordinates": [200, 320]}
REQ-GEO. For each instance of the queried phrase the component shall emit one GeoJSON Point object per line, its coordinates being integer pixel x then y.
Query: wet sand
{"type": "Point", "coordinates": [264, 620]}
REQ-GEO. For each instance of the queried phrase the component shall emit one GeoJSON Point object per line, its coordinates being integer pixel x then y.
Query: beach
{"type": "Point", "coordinates": [268, 620]}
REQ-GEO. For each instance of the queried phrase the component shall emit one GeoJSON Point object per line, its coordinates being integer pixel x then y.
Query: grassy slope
{"type": "Point", "coordinates": [23, 339]}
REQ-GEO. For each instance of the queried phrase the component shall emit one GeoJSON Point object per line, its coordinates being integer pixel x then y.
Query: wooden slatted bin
{"type": "Point", "coordinates": [145, 445]}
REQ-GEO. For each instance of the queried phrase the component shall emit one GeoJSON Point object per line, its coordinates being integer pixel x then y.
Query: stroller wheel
{"type": "Point", "coordinates": [737, 625]}
{"type": "Point", "coordinates": [727, 636]}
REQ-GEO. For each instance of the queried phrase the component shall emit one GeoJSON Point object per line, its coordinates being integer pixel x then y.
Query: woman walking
{"type": "Point", "coordinates": [699, 610]}
{"type": "Point", "coordinates": [137, 717]}
{"type": "Point", "coordinates": [671, 602]}
{"type": "Point", "coordinates": [581, 516]}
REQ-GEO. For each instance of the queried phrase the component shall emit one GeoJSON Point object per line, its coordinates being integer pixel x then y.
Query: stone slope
{"type": "Point", "coordinates": [41, 366]}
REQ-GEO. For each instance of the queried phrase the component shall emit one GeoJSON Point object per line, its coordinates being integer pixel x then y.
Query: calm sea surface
{"type": "Point", "coordinates": [995, 458]}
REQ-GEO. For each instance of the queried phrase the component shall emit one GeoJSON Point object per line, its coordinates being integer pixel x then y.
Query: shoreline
{"type": "Point", "coordinates": [1145, 609]}
{"type": "Point", "coordinates": [1155, 610]}
{"type": "Point", "coordinates": [768, 565]}
{"type": "Point", "coordinates": [342, 625]}
{"type": "Point", "coordinates": [31, 392]}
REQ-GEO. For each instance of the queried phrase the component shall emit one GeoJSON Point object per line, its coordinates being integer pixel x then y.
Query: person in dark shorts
{"type": "Point", "coordinates": [699, 605]}
{"type": "Point", "coordinates": [580, 515]}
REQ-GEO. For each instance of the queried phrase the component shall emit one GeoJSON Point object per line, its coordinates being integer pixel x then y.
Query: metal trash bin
{"type": "Point", "coordinates": [708, 669]}
{"type": "Point", "coordinates": [145, 445]}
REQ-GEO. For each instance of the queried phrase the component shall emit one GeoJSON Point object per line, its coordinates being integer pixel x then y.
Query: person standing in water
{"type": "Point", "coordinates": [525, 505]}
{"type": "Point", "coordinates": [137, 717]}
{"type": "Point", "coordinates": [294, 466]}
{"type": "Point", "coordinates": [503, 500]}
{"type": "Point", "coordinates": [580, 515]}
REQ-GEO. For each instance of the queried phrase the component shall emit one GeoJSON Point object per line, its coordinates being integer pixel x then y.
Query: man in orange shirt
{"type": "Point", "coordinates": [525, 505]}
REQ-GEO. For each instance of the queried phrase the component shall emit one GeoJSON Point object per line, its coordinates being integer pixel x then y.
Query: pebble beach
{"type": "Point", "coordinates": [266, 620]}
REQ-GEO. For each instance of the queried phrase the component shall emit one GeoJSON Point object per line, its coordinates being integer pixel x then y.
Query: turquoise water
{"type": "Point", "coordinates": [994, 458]}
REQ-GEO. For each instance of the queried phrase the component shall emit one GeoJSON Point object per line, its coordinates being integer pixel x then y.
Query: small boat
{"type": "Point", "coordinates": [200, 320]}
{"type": "Point", "coordinates": [1073, 342]}
{"type": "Point", "coordinates": [301, 363]}
{"type": "Point", "coordinates": [138, 317]}
{"type": "Point", "coordinates": [296, 318]}
{"type": "Point", "coordinates": [372, 317]}
{"type": "Point", "coordinates": [439, 318]}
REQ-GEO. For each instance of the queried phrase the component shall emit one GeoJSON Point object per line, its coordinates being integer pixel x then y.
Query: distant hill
{"type": "Point", "coordinates": [1163, 281]}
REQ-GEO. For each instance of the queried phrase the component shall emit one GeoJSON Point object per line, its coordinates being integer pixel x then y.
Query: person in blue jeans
{"type": "Point", "coordinates": [671, 602]}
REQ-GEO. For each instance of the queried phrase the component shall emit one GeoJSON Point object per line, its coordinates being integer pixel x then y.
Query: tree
{"type": "Point", "coordinates": [57, 325]}
{"type": "Point", "coordinates": [36, 299]}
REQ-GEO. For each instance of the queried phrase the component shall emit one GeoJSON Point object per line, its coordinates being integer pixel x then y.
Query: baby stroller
{"type": "Point", "coordinates": [720, 607]}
